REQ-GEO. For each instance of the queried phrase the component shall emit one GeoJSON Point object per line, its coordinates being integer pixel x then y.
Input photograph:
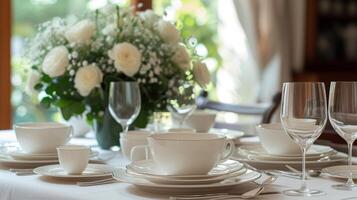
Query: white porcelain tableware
{"type": "Point", "coordinates": [73, 158]}
{"type": "Point", "coordinates": [201, 121]}
{"type": "Point", "coordinates": [188, 153]}
{"type": "Point", "coordinates": [133, 138]}
{"type": "Point", "coordinates": [150, 168]}
{"type": "Point", "coordinates": [275, 141]}
{"type": "Point", "coordinates": [42, 137]}
{"type": "Point", "coordinates": [190, 181]}
{"type": "Point", "coordinates": [21, 155]}
{"type": "Point", "coordinates": [182, 130]}
{"type": "Point", "coordinates": [225, 185]}
{"type": "Point", "coordinates": [315, 150]}
{"type": "Point", "coordinates": [91, 171]}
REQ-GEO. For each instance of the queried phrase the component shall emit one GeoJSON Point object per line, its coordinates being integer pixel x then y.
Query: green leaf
{"type": "Point", "coordinates": [38, 86]}
{"type": "Point", "coordinates": [46, 102]}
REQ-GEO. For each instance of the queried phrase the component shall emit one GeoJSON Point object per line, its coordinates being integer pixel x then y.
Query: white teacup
{"type": "Point", "coordinates": [73, 158]}
{"type": "Point", "coordinates": [42, 137]}
{"type": "Point", "coordinates": [275, 141]}
{"type": "Point", "coordinates": [131, 139]}
{"type": "Point", "coordinates": [188, 153]}
{"type": "Point", "coordinates": [201, 121]}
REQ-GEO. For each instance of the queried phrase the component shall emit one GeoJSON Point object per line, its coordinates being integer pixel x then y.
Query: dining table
{"type": "Point", "coordinates": [35, 187]}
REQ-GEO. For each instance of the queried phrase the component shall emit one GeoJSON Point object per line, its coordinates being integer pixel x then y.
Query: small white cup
{"type": "Point", "coordinates": [131, 139]}
{"type": "Point", "coordinates": [200, 120]}
{"type": "Point", "coordinates": [73, 158]}
{"type": "Point", "coordinates": [275, 141]}
{"type": "Point", "coordinates": [187, 153]}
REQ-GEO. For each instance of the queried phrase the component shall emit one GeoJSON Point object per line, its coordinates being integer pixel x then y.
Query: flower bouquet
{"type": "Point", "coordinates": [74, 62]}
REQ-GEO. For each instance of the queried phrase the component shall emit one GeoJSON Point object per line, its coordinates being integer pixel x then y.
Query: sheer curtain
{"type": "Point", "coordinates": [262, 41]}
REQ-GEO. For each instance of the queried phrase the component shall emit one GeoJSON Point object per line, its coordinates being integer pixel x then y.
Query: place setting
{"type": "Point", "coordinates": [185, 163]}
{"type": "Point", "coordinates": [36, 144]}
{"type": "Point", "coordinates": [276, 150]}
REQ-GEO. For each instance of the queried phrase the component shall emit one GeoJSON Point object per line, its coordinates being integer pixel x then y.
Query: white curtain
{"type": "Point", "coordinates": [264, 45]}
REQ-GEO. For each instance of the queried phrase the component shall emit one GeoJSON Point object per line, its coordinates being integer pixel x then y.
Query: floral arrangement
{"type": "Point", "coordinates": [73, 62]}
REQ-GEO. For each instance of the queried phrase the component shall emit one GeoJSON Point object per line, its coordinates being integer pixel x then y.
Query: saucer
{"type": "Point", "coordinates": [148, 167]}
{"type": "Point", "coordinates": [340, 171]}
{"type": "Point", "coordinates": [314, 151]}
{"type": "Point", "coordinates": [225, 185]}
{"type": "Point", "coordinates": [21, 155]}
{"type": "Point", "coordinates": [173, 181]}
{"type": "Point", "coordinates": [92, 171]}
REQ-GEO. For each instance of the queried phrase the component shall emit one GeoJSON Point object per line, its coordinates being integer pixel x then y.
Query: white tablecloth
{"type": "Point", "coordinates": [34, 187]}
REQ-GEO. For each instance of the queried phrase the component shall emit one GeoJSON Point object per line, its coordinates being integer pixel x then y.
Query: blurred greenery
{"type": "Point", "coordinates": [197, 19]}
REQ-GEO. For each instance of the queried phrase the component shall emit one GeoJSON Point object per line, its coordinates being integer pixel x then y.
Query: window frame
{"type": "Point", "coordinates": [5, 64]}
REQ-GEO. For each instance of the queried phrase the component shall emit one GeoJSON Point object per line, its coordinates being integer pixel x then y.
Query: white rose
{"type": "Point", "coordinates": [32, 80]}
{"type": "Point", "coordinates": [148, 16]}
{"type": "Point", "coordinates": [168, 32]}
{"type": "Point", "coordinates": [80, 32]}
{"type": "Point", "coordinates": [127, 58]}
{"type": "Point", "coordinates": [110, 29]}
{"type": "Point", "coordinates": [55, 61]}
{"type": "Point", "coordinates": [108, 9]}
{"type": "Point", "coordinates": [181, 58]}
{"type": "Point", "coordinates": [87, 78]}
{"type": "Point", "coordinates": [201, 73]}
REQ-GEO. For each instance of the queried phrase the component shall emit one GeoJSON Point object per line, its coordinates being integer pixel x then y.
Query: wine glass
{"type": "Point", "coordinates": [183, 103]}
{"type": "Point", "coordinates": [303, 116]}
{"type": "Point", "coordinates": [124, 102]}
{"type": "Point", "coordinates": [343, 117]}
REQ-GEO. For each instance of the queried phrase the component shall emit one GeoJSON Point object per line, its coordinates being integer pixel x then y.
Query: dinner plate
{"type": "Point", "coordinates": [21, 155]}
{"type": "Point", "coordinates": [340, 171]}
{"type": "Point", "coordinates": [92, 171]}
{"type": "Point", "coordinates": [10, 160]}
{"type": "Point", "coordinates": [148, 167]}
{"type": "Point", "coordinates": [225, 185]}
{"type": "Point", "coordinates": [173, 181]}
{"type": "Point", "coordinates": [314, 151]}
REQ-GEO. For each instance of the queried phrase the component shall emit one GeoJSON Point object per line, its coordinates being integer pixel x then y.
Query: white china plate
{"type": "Point", "coordinates": [340, 171]}
{"type": "Point", "coordinates": [10, 160]}
{"type": "Point", "coordinates": [173, 181]}
{"type": "Point", "coordinates": [148, 167]}
{"type": "Point", "coordinates": [314, 151]}
{"type": "Point", "coordinates": [21, 155]}
{"type": "Point", "coordinates": [92, 171]}
{"type": "Point", "coordinates": [122, 175]}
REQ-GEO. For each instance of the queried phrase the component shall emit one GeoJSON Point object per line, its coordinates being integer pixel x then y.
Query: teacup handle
{"type": "Point", "coordinates": [138, 147]}
{"type": "Point", "coordinates": [228, 152]}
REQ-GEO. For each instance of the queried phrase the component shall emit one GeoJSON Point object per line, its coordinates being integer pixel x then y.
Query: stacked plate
{"type": "Point", "coordinates": [147, 176]}
{"type": "Point", "coordinates": [12, 155]}
{"type": "Point", "coordinates": [317, 156]}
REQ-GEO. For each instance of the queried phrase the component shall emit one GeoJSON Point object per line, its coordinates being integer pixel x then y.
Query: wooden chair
{"type": "Point", "coordinates": [266, 112]}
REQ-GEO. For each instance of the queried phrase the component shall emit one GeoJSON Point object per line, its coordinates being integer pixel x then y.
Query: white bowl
{"type": "Point", "coordinates": [202, 121]}
{"type": "Point", "coordinates": [42, 137]}
{"type": "Point", "coordinates": [275, 141]}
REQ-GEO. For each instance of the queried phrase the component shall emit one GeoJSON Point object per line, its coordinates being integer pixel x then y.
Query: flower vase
{"type": "Point", "coordinates": [107, 131]}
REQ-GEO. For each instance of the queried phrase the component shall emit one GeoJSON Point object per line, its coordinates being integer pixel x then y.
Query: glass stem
{"type": "Point", "coordinates": [303, 171]}
{"type": "Point", "coordinates": [350, 177]}
{"type": "Point", "coordinates": [125, 127]}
